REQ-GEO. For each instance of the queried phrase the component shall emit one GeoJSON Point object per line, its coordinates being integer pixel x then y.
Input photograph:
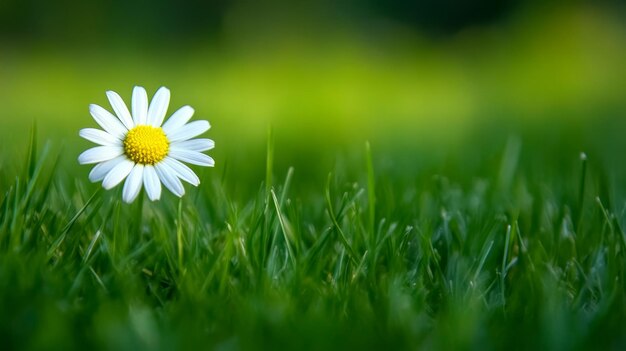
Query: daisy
{"type": "Point", "coordinates": [142, 149]}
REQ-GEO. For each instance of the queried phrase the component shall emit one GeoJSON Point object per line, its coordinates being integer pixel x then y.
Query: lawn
{"type": "Point", "coordinates": [507, 243]}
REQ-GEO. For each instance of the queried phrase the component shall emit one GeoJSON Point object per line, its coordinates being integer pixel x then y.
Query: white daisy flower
{"type": "Point", "coordinates": [143, 149]}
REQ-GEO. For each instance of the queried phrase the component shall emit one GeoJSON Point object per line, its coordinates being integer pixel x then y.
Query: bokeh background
{"type": "Point", "coordinates": [412, 77]}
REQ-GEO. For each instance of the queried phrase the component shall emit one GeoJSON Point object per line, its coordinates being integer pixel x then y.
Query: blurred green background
{"type": "Point", "coordinates": [326, 75]}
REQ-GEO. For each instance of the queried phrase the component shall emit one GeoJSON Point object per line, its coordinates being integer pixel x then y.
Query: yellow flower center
{"type": "Point", "coordinates": [146, 145]}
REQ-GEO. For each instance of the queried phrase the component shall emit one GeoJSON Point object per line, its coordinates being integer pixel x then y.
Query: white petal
{"type": "Point", "coordinates": [107, 121]}
{"type": "Point", "coordinates": [158, 107]}
{"type": "Point", "coordinates": [99, 154]}
{"type": "Point", "coordinates": [117, 174]}
{"type": "Point", "coordinates": [169, 179]}
{"type": "Point", "coordinates": [194, 145]}
{"type": "Point", "coordinates": [140, 105]}
{"type": "Point", "coordinates": [192, 157]}
{"type": "Point", "coordinates": [99, 137]}
{"type": "Point", "coordinates": [182, 171]}
{"type": "Point", "coordinates": [188, 131]}
{"type": "Point", "coordinates": [120, 109]}
{"type": "Point", "coordinates": [152, 183]}
{"type": "Point", "coordinates": [102, 169]}
{"type": "Point", "coordinates": [132, 186]}
{"type": "Point", "coordinates": [178, 119]}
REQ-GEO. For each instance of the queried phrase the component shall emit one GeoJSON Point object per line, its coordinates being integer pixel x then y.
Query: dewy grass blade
{"type": "Point", "coordinates": [505, 258]}
{"type": "Point", "coordinates": [286, 184]}
{"type": "Point", "coordinates": [607, 217]}
{"type": "Point", "coordinates": [57, 243]}
{"type": "Point", "coordinates": [92, 244]}
{"type": "Point", "coordinates": [342, 236]}
{"type": "Point", "coordinates": [483, 258]}
{"type": "Point", "coordinates": [98, 279]}
{"type": "Point", "coordinates": [284, 229]}
{"type": "Point", "coordinates": [359, 269]}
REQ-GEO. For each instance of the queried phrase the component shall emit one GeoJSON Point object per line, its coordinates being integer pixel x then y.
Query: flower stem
{"type": "Point", "coordinates": [179, 234]}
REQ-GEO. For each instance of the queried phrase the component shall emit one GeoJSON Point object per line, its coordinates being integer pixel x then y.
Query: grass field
{"type": "Point", "coordinates": [512, 242]}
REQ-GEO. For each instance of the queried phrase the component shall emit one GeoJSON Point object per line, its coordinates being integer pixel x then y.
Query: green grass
{"type": "Point", "coordinates": [511, 242]}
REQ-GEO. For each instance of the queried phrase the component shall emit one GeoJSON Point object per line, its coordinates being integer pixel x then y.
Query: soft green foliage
{"type": "Point", "coordinates": [509, 243]}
